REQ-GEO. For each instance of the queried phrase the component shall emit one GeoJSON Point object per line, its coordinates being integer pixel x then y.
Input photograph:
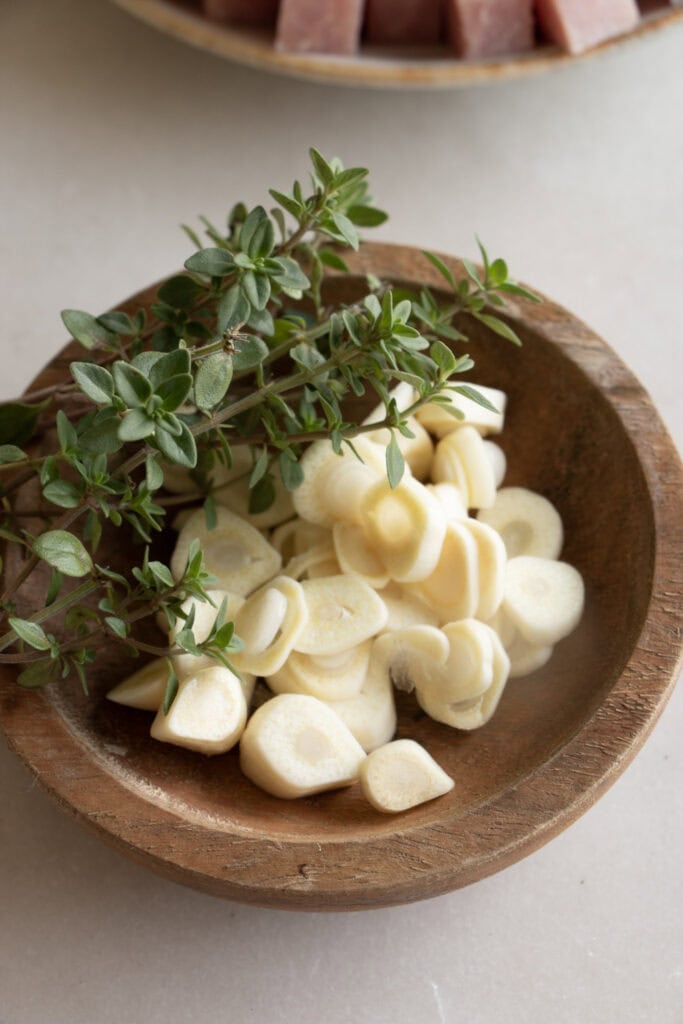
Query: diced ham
{"type": "Point", "coordinates": [490, 28]}
{"type": "Point", "coordinates": [576, 25]}
{"type": "Point", "coordinates": [390, 22]}
{"type": "Point", "coordinates": [319, 26]}
{"type": "Point", "coordinates": [242, 12]}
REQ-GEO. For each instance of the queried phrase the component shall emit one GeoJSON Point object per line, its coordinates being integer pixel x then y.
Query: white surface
{"type": "Point", "coordinates": [111, 134]}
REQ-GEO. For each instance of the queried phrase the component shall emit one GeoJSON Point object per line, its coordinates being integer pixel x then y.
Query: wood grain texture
{"type": "Point", "coordinates": [411, 68]}
{"type": "Point", "coordinates": [581, 430]}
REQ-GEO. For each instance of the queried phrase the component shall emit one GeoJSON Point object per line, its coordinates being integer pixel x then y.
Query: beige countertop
{"type": "Point", "coordinates": [111, 136]}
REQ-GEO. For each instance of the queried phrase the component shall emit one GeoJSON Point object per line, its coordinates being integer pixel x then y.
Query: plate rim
{"type": "Point", "coordinates": [250, 48]}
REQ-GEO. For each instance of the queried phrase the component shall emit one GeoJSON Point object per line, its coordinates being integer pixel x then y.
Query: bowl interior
{"type": "Point", "coordinates": [562, 438]}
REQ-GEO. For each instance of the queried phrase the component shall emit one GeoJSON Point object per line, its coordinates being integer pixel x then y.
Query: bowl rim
{"type": "Point", "coordinates": [380, 870]}
{"type": "Point", "coordinates": [374, 67]}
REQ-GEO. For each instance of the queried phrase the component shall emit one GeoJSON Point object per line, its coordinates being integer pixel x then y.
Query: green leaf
{"type": "Point", "coordinates": [367, 216]}
{"type": "Point", "coordinates": [63, 493]}
{"type": "Point", "coordinates": [92, 531]}
{"type": "Point", "coordinates": [437, 262]}
{"type": "Point", "coordinates": [68, 439]}
{"type": "Point", "coordinates": [171, 687]}
{"type": "Point", "coordinates": [443, 357]}
{"type": "Point", "coordinates": [262, 496]}
{"type": "Point", "coordinates": [395, 462]}
{"type": "Point", "coordinates": [475, 396]}
{"type": "Point", "coordinates": [250, 228]}
{"type": "Point", "coordinates": [10, 453]}
{"type": "Point", "coordinates": [31, 633]}
{"type": "Point", "coordinates": [63, 551]}
{"type": "Point", "coordinates": [117, 322]}
{"type": "Point", "coordinates": [333, 260]}
{"type": "Point", "coordinates": [262, 239]}
{"type": "Point", "coordinates": [136, 425]}
{"type": "Point", "coordinates": [174, 391]}
{"type": "Point", "coordinates": [472, 272]}
{"type": "Point", "coordinates": [102, 437]}
{"type": "Point", "coordinates": [291, 473]}
{"type": "Point", "coordinates": [180, 450]}
{"type": "Point", "coordinates": [233, 310]}
{"type": "Point", "coordinates": [260, 468]}
{"type": "Point", "coordinates": [321, 167]}
{"type": "Point", "coordinates": [117, 626]}
{"type": "Point", "coordinates": [498, 327]}
{"type": "Point", "coordinates": [86, 329]}
{"type": "Point", "coordinates": [154, 474]}
{"type": "Point", "coordinates": [346, 229]}
{"type": "Point", "coordinates": [517, 289]}
{"type": "Point", "coordinates": [210, 517]}
{"type": "Point", "coordinates": [214, 262]}
{"type": "Point", "coordinates": [132, 386]}
{"type": "Point", "coordinates": [144, 361]}
{"type": "Point", "coordinates": [54, 588]}
{"type": "Point", "coordinates": [180, 291]}
{"type": "Point", "coordinates": [39, 674]}
{"type": "Point", "coordinates": [161, 573]}
{"type": "Point", "coordinates": [94, 381]}
{"type": "Point", "coordinates": [287, 203]}
{"type": "Point", "coordinates": [291, 276]}
{"type": "Point", "coordinates": [249, 352]}
{"type": "Point", "coordinates": [173, 364]}
{"type": "Point", "coordinates": [212, 381]}
{"type": "Point", "coordinates": [256, 288]}
{"type": "Point", "coordinates": [306, 355]}
{"type": "Point", "coordinates": [18, 422]}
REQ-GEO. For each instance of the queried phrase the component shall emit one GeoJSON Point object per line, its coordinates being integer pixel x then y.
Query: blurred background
{"type": "Point", "coordinates": [111, 136]}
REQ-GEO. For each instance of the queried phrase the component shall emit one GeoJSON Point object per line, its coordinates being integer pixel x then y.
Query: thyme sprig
{"type": "Point", "coordinates": [239, 349]}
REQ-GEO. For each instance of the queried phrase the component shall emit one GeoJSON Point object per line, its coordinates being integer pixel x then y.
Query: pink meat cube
{"type": "Point", "coordinates": [576, 25]}
{"type": "Point", "coordinates": [242, 12]}
{"type": "Point", "coordinates": [490, 28]}
{"type": "Point", "coordinates": [390, 22]}
{"type": "Point", "coordinates": [319, 26]}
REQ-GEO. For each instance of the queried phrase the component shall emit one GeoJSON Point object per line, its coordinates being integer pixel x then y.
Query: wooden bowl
{"type": "Point", "coordinates": [581, 430]}
{"type": "Point", "coordinates": [376, 67]}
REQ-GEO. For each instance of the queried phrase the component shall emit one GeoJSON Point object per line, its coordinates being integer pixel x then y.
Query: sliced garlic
{"type": "Point", "coordinates": [334, 485]}
{"type": "Point", "coordinates": [410, 654]}
{"type": "Point", "coordinates": [440, 422]}
{"type": "Point", "coordinates": [342, 612]}
{"type": "Point", "coordinates": [371, 714]}
{"type": "Point", "coordinates": [406, 525]}
{"type": "Point", "coordinates": [451, 498]}
{"type": "Point", "coordinates": [526, 658]}
{"type": "Point", "coordinates": [543, 598]}
{"type": "Point", "coordinates": [269, 624]}
{"type": "Point", "coordinates": [467, 672]}
{"type": "Point", "coordinates": [463, 453]}
{"type": "Point", "coordinates": [491, 562]}
{"type": "Point", "coordinates": [406, 608]}
{"type": "Point", "coordinates": [234, 551]}
{"type": "Point", "coordinates": [145, 689]}
{"type": "Point", "coordinates": [295, 746]}
{"type": "Point", "coordinates": [401, 775]}
{"type": "Point", "coordinates": [300, 566]}
{"type": "Point", "coordinates": [452, 589]}
{"type": "Point", "coordinates": [498, 460]}
{"type": "Point", "coordinates": [357, 556]}
{"type": "Point", "coordinates": [180, 481]}
{"type": "Point", "coordinates": [296, 536]}
{"type": "Point", "coordinates": [208, 714]}
{"type": "Point", "coordinates": [327, 677]}
{"type": "Point", "coordinates": [528, 523]}
{"type": "Point", "coordinates": [473, 712]}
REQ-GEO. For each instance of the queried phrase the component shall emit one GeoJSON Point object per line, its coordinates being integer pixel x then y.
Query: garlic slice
{"type": "Point", "coordinates": [234, 551]}
{"type": "Point", "coordinates": [145, 689]}
{"type": "Point", "coordinates": [406, 525]}
{"type": "Point", "coordinates": [270, 623]}
{"type": "Point", "coordinates": [406, 608]}
{"type": "Point", "coordinates": [294, 746]}
{"type": "Point", "coordinates": [334, 485]}
{"type": "Point", "coordinates": [463, 452]}
{"type": "Point", "coordinates": [371, 714]}
{"type": "Point", "coordinates": [357, 556]}
{"type": "Point", "coordinates": [528, 523]}
{"type": "Point", "coordinates": [543, 598]}
{"type": "Point", "coordinates": [204, 618]}
{"type": "Point", "coordinates": [440, 422]}
{"type": "Point", "coordinates": [208, 714]}
{"type": "Point", "coordinates": [327, 677]}
{"type": "Point", "coordinates": [401, 775]}
{"type": "Point", "coordinates": [491, 562]}
{"type": "Point", "coordinates": [343, 611]}
{"type": "Point", "coordinates": [237, 495]}
{"type": "Point", "coordinates": [452, 589]}
{"type": "Point", "coordinates": [474, 712]}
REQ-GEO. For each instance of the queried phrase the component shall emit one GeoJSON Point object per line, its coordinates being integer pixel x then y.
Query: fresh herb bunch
{"type": "Point", "coordinates": [241, 349]}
